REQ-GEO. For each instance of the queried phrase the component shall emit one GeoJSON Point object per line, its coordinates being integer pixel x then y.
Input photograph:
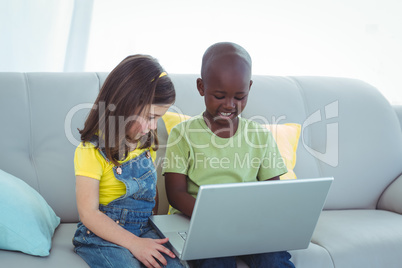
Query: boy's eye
{"type": "Point", "coordinates": [219, 97]}
{"type": "Point", "coordinates": [240, 98]}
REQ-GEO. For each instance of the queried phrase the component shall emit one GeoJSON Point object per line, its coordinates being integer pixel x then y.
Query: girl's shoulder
{"type": "Point", "coordinates": [87, 151]}
{"type": "Point", "coordinates": [87, 145]}
{"type": "Point", "coordinates": [90, 150]}
{"type": "Point", "coordinates": [88, 161]}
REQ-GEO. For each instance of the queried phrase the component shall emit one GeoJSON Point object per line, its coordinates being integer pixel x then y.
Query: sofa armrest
{"type": "Point", "coordinates": [391, 199]}
{"type": "Point", "coordinates": [398, 111]}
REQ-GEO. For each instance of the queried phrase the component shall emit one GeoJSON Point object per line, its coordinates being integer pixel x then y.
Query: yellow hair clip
{"type": "Point", "coordinates": [162, 74]}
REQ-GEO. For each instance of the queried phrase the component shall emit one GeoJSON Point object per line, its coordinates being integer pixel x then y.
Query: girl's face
{"type": "Point", "coordinates": [146, 122]}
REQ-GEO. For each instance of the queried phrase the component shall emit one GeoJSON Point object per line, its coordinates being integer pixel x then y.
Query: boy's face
{"type": "Point", "coordinates": [225, 91]}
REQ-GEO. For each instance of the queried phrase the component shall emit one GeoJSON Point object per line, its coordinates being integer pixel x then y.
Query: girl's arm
{"type": "Point", "coordinates": [145, 250]}
{"type": "Point", "coordinates": [176, 191]}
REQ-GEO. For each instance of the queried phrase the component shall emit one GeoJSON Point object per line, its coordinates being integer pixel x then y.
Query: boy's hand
{"type": "Point", "coordinates": [176, 191]}
{"type": "Point", "coordinates": [148, 251]}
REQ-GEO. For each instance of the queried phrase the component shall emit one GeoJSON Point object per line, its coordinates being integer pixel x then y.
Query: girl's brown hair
{"type": "Point", "coordinates": [127, 93]}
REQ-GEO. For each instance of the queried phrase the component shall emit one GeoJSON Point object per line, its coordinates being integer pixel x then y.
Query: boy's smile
{"type": "Point", "coordinates": [225, 104]}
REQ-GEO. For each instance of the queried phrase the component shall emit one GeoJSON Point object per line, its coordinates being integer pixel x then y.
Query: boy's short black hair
{"type": "Point", "coordinates": [220, 49]}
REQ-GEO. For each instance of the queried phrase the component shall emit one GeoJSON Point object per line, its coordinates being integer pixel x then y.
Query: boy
{"type": "Point", "coordinates": [220, 147]}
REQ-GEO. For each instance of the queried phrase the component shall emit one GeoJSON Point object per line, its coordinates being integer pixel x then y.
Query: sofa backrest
{"type": "Point", "coordinates": [34, 144]}
{"type": "Point", "coordinates": [349, 131]}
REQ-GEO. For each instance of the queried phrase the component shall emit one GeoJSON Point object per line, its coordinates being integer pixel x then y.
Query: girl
{"type": "Point", "coordinates": [115, 175]}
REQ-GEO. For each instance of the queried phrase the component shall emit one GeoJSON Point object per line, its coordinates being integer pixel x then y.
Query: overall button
{"type": "Point", "coordinates": [118, 170]}
{"type": "Point", "coordinates": [148, 154]}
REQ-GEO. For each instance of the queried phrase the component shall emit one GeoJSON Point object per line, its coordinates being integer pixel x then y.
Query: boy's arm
{"type": "Point", "coordinates": [156, 207]}
{"type": "Point", "coordinates": [176, 191]}
{"type": "Point", "coordinates": [276, 178]}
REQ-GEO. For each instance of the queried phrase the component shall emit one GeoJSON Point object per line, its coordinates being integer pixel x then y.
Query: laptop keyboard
{"type": "Point", "coordinates": [183, 235]}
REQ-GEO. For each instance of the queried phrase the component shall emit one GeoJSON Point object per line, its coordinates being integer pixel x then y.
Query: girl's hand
{"type": "Point", "coordinates": [148, 250]}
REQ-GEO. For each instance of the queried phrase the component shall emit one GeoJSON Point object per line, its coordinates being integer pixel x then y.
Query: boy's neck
{"type": "Point", "coordinates": [222, 129]}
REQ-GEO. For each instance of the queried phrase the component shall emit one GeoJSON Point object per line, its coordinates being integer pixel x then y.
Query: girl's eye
{"type": "Point", "coordinates": [154, 117]}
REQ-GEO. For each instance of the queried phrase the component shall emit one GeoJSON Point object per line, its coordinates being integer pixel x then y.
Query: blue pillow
{"type": "Point", "coordinates": [27, 222]}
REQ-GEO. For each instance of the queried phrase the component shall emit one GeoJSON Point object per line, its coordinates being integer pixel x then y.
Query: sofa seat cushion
{"type": "Point", "coordinates": [314, 256]}
{"type": "Point", "coordinates": [62, 254]}
{"type": "Point", "coordinates": [361, 238]}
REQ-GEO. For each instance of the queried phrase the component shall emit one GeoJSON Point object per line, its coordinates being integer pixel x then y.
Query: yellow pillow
{"type": "Point", "coordinates": [287, 138]}
{"type": "Point", "coordinates": [171, 119]}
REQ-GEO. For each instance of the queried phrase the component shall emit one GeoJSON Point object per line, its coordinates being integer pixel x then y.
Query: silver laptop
{"type": "Point", "coordinates": [246, 218]}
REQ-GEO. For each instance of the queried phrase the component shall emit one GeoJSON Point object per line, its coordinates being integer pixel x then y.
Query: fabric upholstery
{"type": "Point", "coordinates": [361, 238]}
{"type": "Point", "coordinates": [391, 199]}
{"type": "Point", "coordinates": [348, 130]}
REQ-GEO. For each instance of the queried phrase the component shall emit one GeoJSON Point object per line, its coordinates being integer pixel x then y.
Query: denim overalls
{"type": "Point", "coordinates": [131, 211]}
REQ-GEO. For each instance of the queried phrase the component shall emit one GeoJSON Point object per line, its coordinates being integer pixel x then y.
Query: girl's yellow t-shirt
{"type": "Point", "coordinates": [89, 162]}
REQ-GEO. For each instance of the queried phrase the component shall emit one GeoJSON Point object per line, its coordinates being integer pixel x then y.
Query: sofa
{"type": "Point", "coordinates": [349, 131]}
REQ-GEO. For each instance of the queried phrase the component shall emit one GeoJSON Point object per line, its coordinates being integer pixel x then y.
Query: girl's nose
{"type": "Point", "coordinates": [153, 124]}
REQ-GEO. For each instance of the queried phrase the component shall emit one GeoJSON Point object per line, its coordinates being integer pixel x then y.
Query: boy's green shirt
{"type": "Point", "coordinates": [251, 154]}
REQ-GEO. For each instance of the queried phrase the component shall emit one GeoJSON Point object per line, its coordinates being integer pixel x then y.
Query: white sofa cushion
{"type": "Point", "coordinates": [361, 238]}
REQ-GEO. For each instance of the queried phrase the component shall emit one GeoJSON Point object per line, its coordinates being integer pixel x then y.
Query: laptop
{"type": "Point", "coordinates": [237, 219]}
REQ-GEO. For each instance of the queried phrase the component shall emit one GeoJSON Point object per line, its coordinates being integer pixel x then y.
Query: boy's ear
{"type": "Point", "coordinates": [251, 82]}
{"type": "Point", "coordinates": [200, 87]}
